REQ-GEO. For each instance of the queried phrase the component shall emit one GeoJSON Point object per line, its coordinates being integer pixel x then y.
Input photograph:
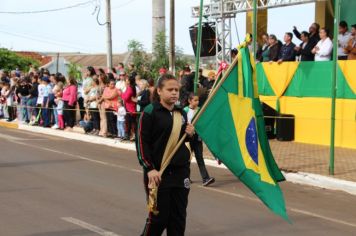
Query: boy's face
{"type": "Point", "coordinates": [169, 93]}
{"type": "Point", "coordinates": [193, 102]}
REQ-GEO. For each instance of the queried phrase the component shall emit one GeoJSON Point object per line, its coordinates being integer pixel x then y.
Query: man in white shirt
{"type": "Point", "coordinates": [324, 47]}
{"type": "Point", "coordinates": [343, 39]}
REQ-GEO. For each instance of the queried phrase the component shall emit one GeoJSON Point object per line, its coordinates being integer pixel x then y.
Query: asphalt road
{"type": "Point", "coordinates": [51, 186]}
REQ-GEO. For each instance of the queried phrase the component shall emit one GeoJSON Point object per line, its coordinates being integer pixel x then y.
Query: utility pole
{"type": "Point", "coordinates": [109, 37]}
{"type": "Point", "coordinates": [57, 62]}
{"type": "Point", "coordinates": [158, 19]}
{"type": "Point", "coordinates": [172, 53]}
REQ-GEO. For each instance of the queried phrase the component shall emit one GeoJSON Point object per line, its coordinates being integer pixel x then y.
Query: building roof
{"type": "Point", "coordinates": [95, 60]}
{"type": "Point", "coordinates": [41, 58]}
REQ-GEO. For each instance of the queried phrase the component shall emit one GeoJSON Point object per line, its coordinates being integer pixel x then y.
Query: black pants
{"type": "Point", "coordinates": [111, 122]}
{"type": "Point", "coordinates": [95, 115]}
{"type": "Point", "coordinates": [81, 107]}
{"type": "Point", "coordinates": [130, 124]}
{"type": "Point", "coordinates": [11, 110]}
{"type": "Point", "coordinates": [172, 206]}
{"type": "Point", "coordinates": [197, 147]}
{"type": "Point", "coordinates": [69, 114]}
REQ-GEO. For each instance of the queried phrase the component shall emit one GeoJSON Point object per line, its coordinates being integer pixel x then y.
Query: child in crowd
{"type": "Point", "coordinates": [4, 87]}
{"type": "Point", "coordinates": [121, 113]}
{"type": "Point", "coordinates": [86, 123]}
{"type": "Point", "coordinates": [196, 143]}
{"type": "Point", "coordinates": [41, 92]}
{"type": "Point", "coordinates": [46, 90]}
{"type": "Point", "coordinates": [58, 93]}
{"type": "Point", "coordinates": [7, 94]}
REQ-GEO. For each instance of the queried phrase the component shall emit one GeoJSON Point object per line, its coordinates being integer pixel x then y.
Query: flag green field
{"type": "Point", "coordinates": [232, 126]}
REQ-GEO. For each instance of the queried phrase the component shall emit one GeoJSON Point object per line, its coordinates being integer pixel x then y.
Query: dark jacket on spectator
{"type": "Point", "coordinates": [274, 52]}
{"type": "Point", "coordinates": [313, 39]}
{"type": "Point", "coordinates": [187, 83]}
{"type": "Point", "coordinates": [144, 100]}
{"type": "Point", "coordinates": [305, 53]}
{"type": "Point", "coordinates": [23, 90]}
{"type": "Point", "coordinates": [287, 52]}
{"type": "Point", "coordinates": [34, 90]}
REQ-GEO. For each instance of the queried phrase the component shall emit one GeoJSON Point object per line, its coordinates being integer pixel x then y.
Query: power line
{"type": "Point", "coordinates": [48, 10]}
{"type": "Point", "coordinates": [43, 41]}
{"type": "Point", "coordinates": [26, 34]}
{"type": "Point", "coordinates": [122, 5]}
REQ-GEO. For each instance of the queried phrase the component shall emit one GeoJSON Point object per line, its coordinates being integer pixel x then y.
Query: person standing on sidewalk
{"type": "Point", "coordinates": [130, 105]}
{"type": "Point", "coordinates": [86, 86]}
{"type": "Point", "coordinates": [93, 105]}
{"type": "Point", "coordinates": [161, 125]}
{"type": "Point", "coordinates": [120, 114]}
{"type": "Point", "coordinates": [23, 92]}
{"type": "Point", "coordinates": [69, 101]}
{"type": "Point", "coordinates": [196, 144]}
{"type": "Point", "coordinates": [32, 101]}
{"type": "Point", "coordinates": [109, 98]}
{"type": "Point", "coordinates": [45, 103]}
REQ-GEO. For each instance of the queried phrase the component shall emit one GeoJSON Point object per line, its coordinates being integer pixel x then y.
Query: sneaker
{"type": "Point", "coordinates": [209, 181]}
{"type": "Point", "coordinates": [55, 127]}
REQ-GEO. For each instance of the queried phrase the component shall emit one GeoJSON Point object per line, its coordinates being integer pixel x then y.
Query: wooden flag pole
{"type": "Point", "coordinates": [197, 54]}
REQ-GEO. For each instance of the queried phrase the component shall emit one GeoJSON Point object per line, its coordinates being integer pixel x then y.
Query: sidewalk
{"type": "Point", "coordinates": [300, 163]}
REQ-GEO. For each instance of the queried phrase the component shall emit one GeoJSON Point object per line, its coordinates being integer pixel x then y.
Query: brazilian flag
{"type": "Point", "coordinates": [232, 126]}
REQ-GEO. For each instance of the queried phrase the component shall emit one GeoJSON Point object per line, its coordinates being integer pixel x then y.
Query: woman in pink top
{"type": "Point", "coordinates": [109, 98]}
{"type": "Point", "coordinates": [128, 97]}
{"type": "Point", "coordinates": [69, 102]}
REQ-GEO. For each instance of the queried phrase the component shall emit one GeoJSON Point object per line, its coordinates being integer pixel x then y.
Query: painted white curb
{"type": "Point", "coordinates": [321, 181]}
{"type": "Point", "coordinates": [308, 179]}
{"type": "Point", "coordinates": [80, 137]}
{"type": "Point", "coordinates": [299, 178]}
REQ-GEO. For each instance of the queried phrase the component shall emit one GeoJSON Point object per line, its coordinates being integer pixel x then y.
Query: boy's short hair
{"type": "Point", "coordinates": [192, 95]}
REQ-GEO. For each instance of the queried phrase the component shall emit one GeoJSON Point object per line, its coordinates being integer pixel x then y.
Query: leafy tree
{"type": "Point", "coordinates": [148, 66]}
{"type": "Point", "coordinates": [139, 56]}
{"type": "Point", "coordinates": [161, 56]}
{"type": "Point", "coordinates": [75, 71]}
{"type": "Point", "coordinates": [10, 61]}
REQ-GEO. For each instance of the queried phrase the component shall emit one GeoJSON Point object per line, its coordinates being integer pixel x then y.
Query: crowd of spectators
{"type": "Point", "coordinates": [316, 45]}
{"type": "Point", "coordinates": [108, 104]}
{"type": "Point", "coordinates": [104, 104]}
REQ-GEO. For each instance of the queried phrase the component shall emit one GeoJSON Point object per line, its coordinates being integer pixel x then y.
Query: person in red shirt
{"type": "Point", "coordinates": [69, 102]}
{"type": "Point", "coordinates": [128, 97]}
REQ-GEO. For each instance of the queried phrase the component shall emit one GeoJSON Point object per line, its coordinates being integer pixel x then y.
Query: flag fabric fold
{"type": "Point", "coordinates": [232, 126]}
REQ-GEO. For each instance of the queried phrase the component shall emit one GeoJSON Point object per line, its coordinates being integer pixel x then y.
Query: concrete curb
{"type": "Point", "coordinates": [299, 178]}
{"type": "Point", "coordinates": [80, 137]}
{"type": "Point", "coordinates": [314, 180]}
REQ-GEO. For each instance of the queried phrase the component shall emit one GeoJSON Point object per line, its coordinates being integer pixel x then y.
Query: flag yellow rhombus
{"type": "Point", "coordinates": [348, 68]}
{"type": "Point", "coordinates": [280, 75]}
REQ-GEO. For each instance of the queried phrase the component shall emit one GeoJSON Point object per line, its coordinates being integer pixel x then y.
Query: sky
{"type": "Point", "coordinates": [76, 29]}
